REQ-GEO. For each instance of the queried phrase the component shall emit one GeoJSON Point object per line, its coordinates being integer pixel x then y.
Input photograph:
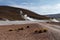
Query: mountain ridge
{"type": "Point", "coordinates": [13, 13]}
{"type": "Point", "coordinates": [53, 15]}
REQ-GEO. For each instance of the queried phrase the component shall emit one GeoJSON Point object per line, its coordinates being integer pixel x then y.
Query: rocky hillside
{"type": "Point", "coordinates": [13, 13]}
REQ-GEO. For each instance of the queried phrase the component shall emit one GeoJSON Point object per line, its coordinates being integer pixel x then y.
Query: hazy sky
{"type": "Point", "coordinates": [38, 6]}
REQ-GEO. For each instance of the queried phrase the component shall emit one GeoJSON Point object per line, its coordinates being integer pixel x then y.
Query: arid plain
{"type": "Point", "coordinates": [31, 31]}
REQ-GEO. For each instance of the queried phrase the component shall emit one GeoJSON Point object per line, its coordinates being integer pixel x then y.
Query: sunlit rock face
{"type": "Point", "coordinates": [13, 13]}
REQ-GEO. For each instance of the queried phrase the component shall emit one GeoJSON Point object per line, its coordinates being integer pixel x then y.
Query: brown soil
{"type": "Point", "coordinates": [25, 32]}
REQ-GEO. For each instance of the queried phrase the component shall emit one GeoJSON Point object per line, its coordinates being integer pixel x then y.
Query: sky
{"type": "Point", "coordinates": [42, 7]}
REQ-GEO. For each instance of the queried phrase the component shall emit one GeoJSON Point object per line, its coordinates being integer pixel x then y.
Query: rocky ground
{"type": "Point", "coordinates": [32, 31]}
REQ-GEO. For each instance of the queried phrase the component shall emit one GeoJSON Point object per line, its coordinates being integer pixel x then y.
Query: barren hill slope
{"type": "Point", "coordinates": [13, 13]}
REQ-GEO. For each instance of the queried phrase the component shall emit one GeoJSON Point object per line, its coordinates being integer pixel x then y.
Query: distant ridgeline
{"type": "Point", "coordinates": [14, 13]}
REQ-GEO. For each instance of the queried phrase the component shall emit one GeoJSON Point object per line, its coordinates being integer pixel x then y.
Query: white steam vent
{"type": "Point", "coordinates": [54, 20]}
{"type": "Point", "coordinates": [24, 16]}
